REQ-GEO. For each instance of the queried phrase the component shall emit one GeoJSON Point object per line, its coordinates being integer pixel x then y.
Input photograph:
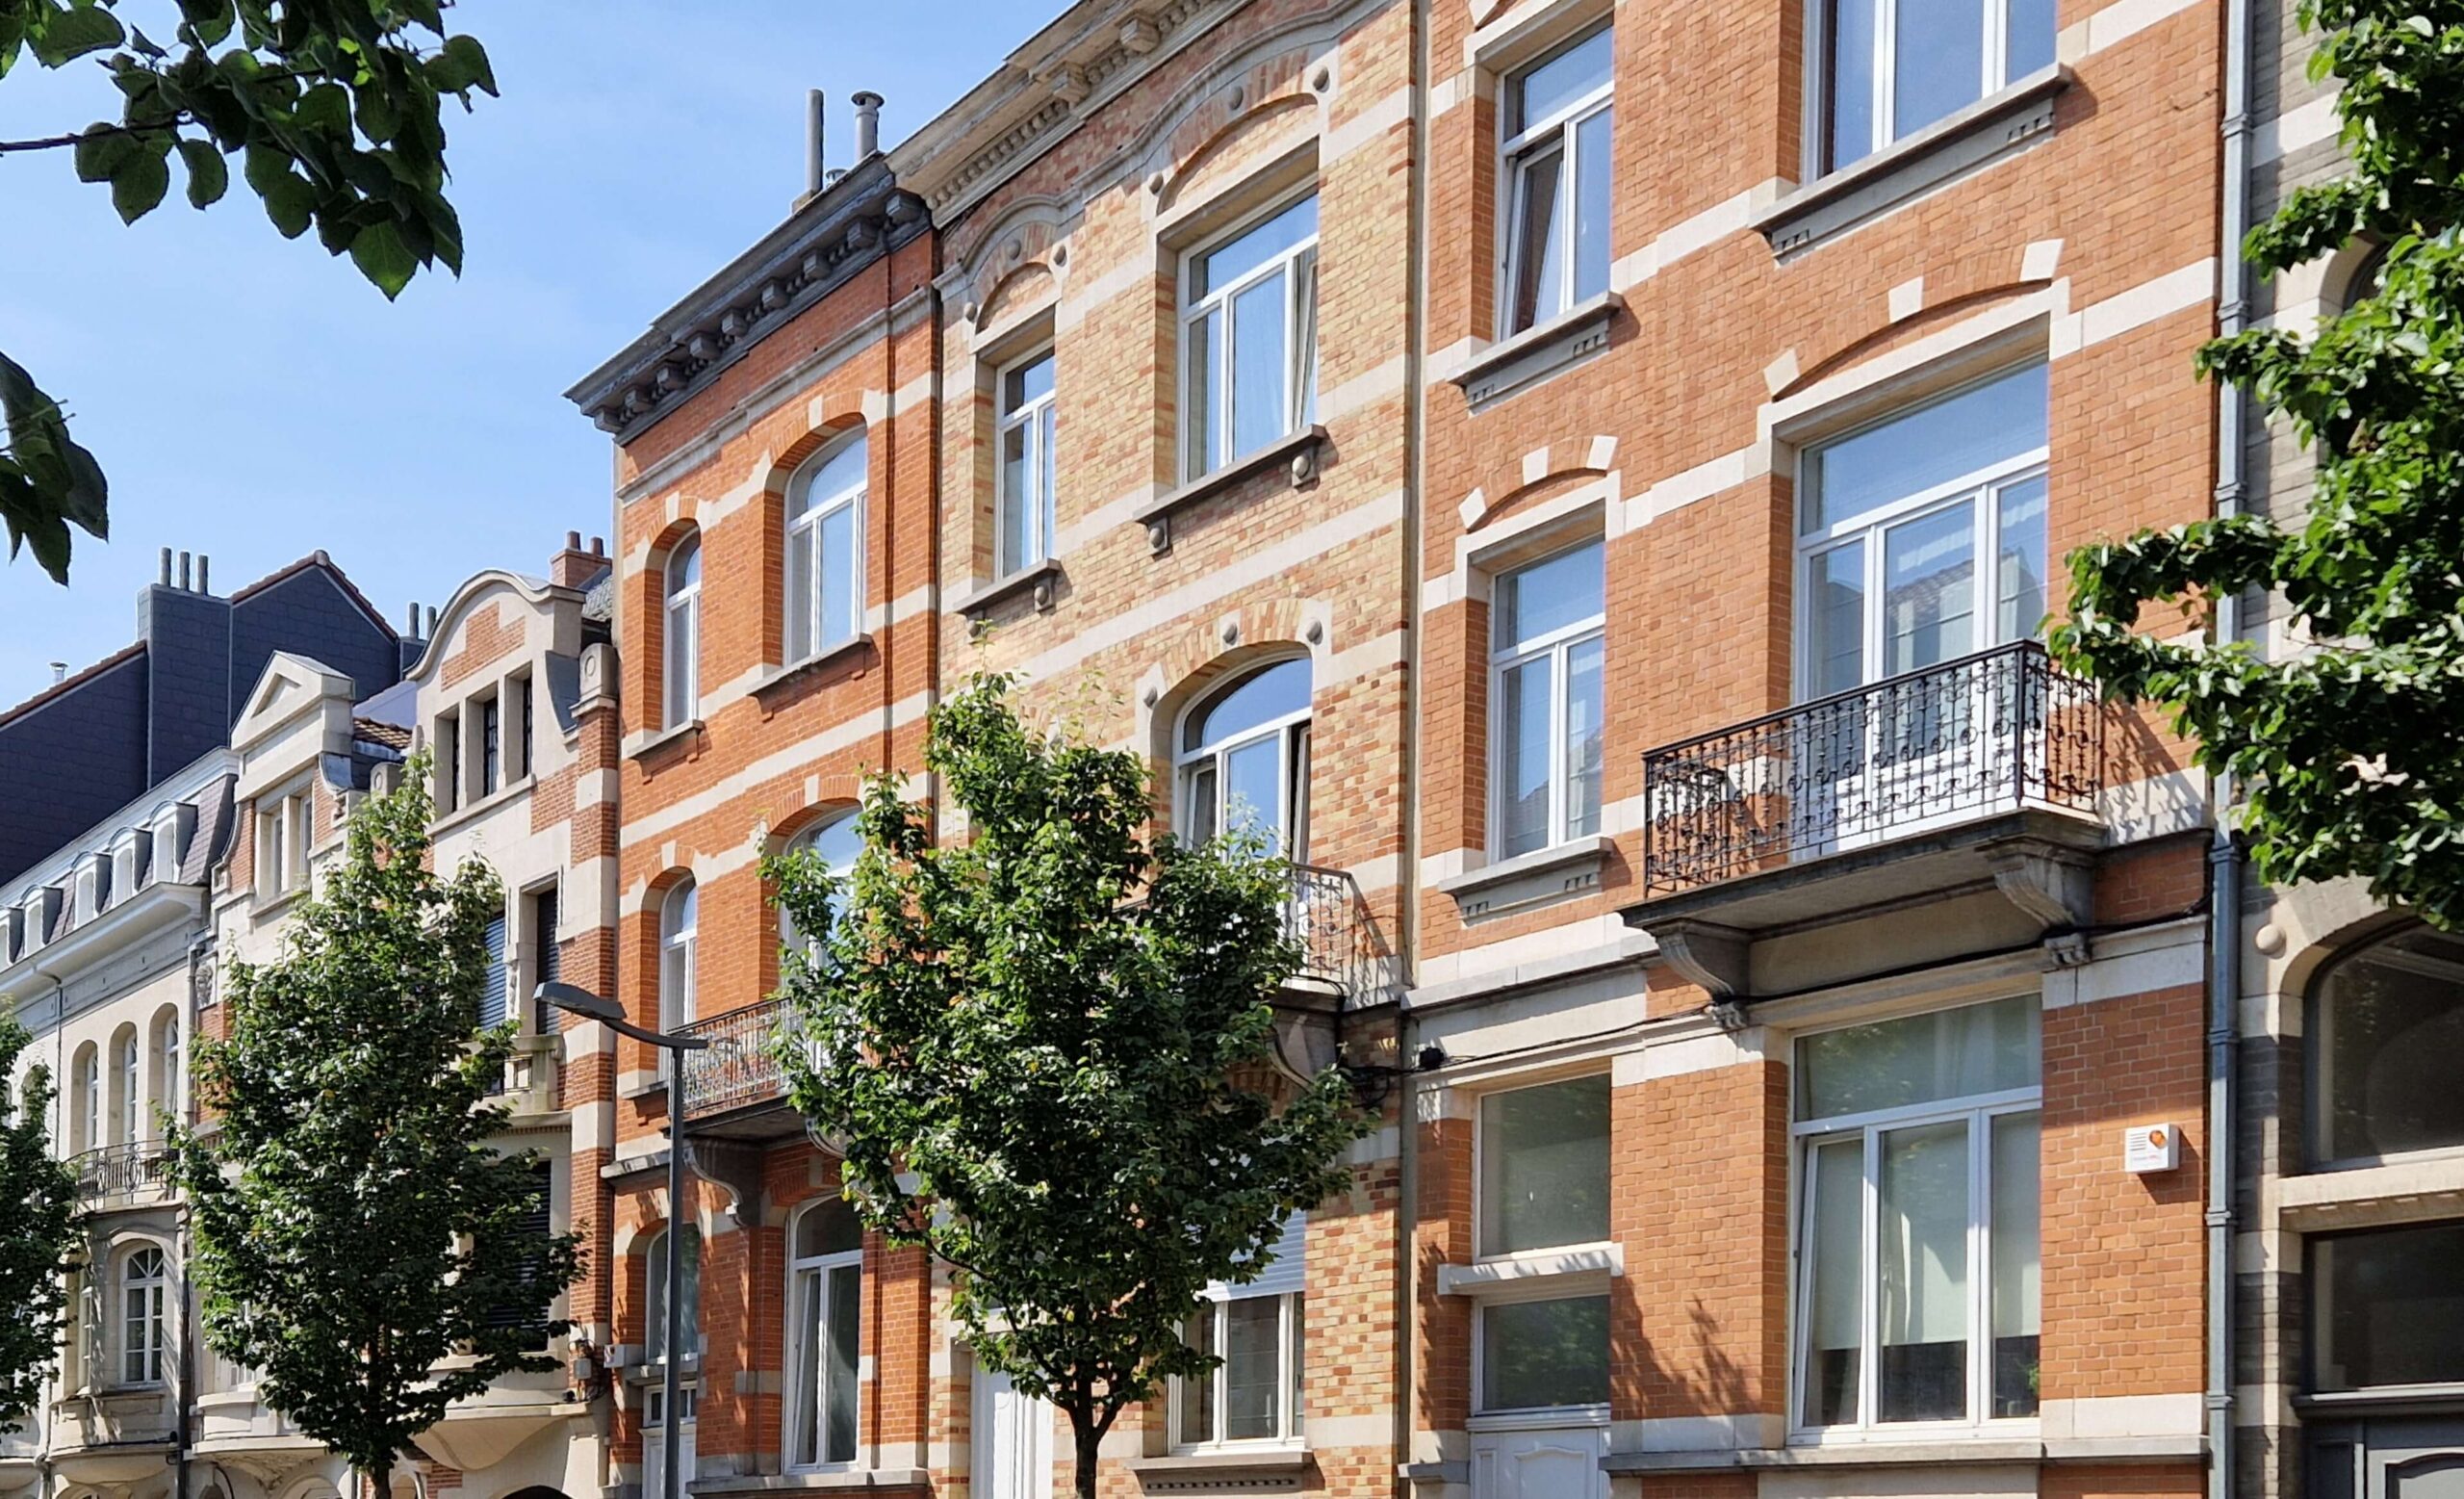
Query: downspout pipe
{"type": "Point", "coordinates": [1407, 1319]}
{"type": "Point", "coordinates": [2224, 853]}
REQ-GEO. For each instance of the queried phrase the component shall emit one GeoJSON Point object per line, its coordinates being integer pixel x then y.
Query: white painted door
{"type": "Point", "coordinates": [1552, 1463]}
{"type": "Point", "coordinates": [1013, 1441]}
{"type": "Point", "coordinates": [653, 1452]}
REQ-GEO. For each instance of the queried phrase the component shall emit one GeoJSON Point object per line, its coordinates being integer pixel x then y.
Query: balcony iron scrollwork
{"type": "Point", "coordinates": [1999, 731]}
{"type": "Point", "coordinates": [1341, 946]}
{"type": "Point", "coordinates": [739, 1069]}
{"type": "Point", "coordinates": [132, 1173]}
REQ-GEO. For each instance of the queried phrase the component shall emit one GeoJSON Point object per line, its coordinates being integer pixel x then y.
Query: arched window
{"type": "Point", "coordinates": [825, 561]}
{"type": "Point", "coordinates": [688, 1301]}
{"type": "Point", "coordinates": [1244, 759]}
{"type": "Point", "coordinates": [132, 1092]}
{"type": "Point", "coordinates": [2386, 1025]}
{"type": "Point", "coordinates": [170, 1066]}
{"type": "Point", "coordinates": [89, 1088]}
{"type": "Point", "coordinates": [824, 1298]}
{"type": "Point", "coordinates": [679, 920]}
{"type": "Point", "coordinates": [683, 621]}
{"type": "Point", "coordinates": [144, 1286]}
{"type": "Point", "coordinates": [836, 842]}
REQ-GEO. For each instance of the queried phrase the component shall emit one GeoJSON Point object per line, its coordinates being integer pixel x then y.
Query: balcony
{"type": "Point", "coordinates": [1959, 800]}
{"type": "Point", "coordinates": [127, 1176]}
{"type": "Point", "coordinates": [736, 1086]}
{"type": "Point", "coordinates": [1343, 954]}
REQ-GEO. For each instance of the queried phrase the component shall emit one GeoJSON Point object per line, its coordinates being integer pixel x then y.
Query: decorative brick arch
{"type": "Point", "coordinates": [1024, 288]}
{"type": "Point", "coordinates": [1860, 328]}
{"type": "Point", "coordinates": [1199, 656]}
{"type": "Point", "coordinates": [1024, 238]}
{"type": "Point", "coordinates": [1539, 474]}
{"type": "Point", "coordinates": [1215, 161]}
{"type": "Point", "coordinates": [1281, 66]}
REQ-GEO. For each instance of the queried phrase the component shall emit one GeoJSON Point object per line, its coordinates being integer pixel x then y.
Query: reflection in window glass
{"type": "Point", "coordinates": [1535, 1354]}
{"type": "Point", "coordinates": [2388, 1307]}
{"type": "Point", "coordinates": [2389, 1024]}
{"type": "Point", "coordinates": [1544, 1166]}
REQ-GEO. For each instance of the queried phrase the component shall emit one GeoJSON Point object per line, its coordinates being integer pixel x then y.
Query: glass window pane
{"type": "Point", "coordinates": [1017, 499]}
{"type": "Point", "coordinates": [840, 603]}
{"type": "Point", "coordinates": [798, 592]}
{"type": "Point", "coordinates": [2391, 1025]}
{"type": "Point", "coordinates": [1539, 267]}
{"type": "Point", "coordinates": [2020, 584]}
{"type": "Point", "coordinates": [1548, 596]}
{"type": "Point", "coordinates": [2388, 1307]}
{"type": "Point", "coordinates": [1304, 339]}
{"type": "Point", "coordinates": [1848, 81]}
{"type": "Point", "coordinates": [1586, 709]}
{"type": "Point", "coordinates": [1544, 1166]}
{"type": "Point", "coordinates": [1924, 1288]}
{"type": "Point", "coordinates": [1932, 444]}
{"type": "Point", "coordinates": [1563, 79]}
{"type": "Point", "coordinates": [1940, 64]}
{"type": "Point", "coordinates": [1260, 413]}
{"type": "Point", "coordinates": [1204, 815]}
{"type": "Point", "coordinates": [1048, 492]}
{"type": "Point", "coordinates": [1029, 382]}
{"type": "Point", "coordinates": [1256, 699]}
{"type": "Point", "coordinates": [805, 1396]}
{"type": "Point", "coordinates": [1537, 1353]}
{"type": "Point", "coordinates": [1236, 258]}
{"type": "Point", "coordinates": [1835, 620]}
{"type": "Point", "coordinates": [2016, 1291]}
{"type": "Point", "coordinates": [1202, 421]}
{"type": "Point", "coordinates": [827, 1227]}
{"type": "Point", "coordinates": [1253, 788]}
{"type": "Point", "coordinates": [1836, 1245]}
{"type": "Point", "coordinates": [2028, 45]}
{"type": "Point", "coordinates": [846, 1305]}
{"type": "Point", "coordinates": [683, 565]}
{"type": "Point", "coordinates": [1252, 1368]}
{"type": "Point", "coordinates": [1929, 589]}
{"type": "Point", "coordinates": [1973, 1049]}
{"type": "Point", "coordinates": [1524, 738]}
{"type": "Point", "coordinates": [1198, 1394]}
{"type": "Point", "coordinates": [842, 474]}
{"type": "Point", "coordinates": [1591, 206]}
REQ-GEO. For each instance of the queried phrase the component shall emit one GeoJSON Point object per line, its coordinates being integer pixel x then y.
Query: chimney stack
{"type": "Point", "coordinates": [814, 162]}
{"type": "Point", "coordinates": [59, 673]}
{"type": "Point", "coordinates": [203, 564]}
{"type": "Point", "coordinates": [411, 622]}
{"type": "Point", "coordinates": [572, 567]}
{"type": "Point", "coordinates": [183, 573]}
{"type": "Point", "coordinates": [869, 125]}
{"type": "Point", "coordinates": [166, 567]}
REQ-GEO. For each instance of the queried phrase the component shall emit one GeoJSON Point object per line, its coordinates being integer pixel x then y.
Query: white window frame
{"type": "Point", "coordinates": [807, 838]}
{"type": "Point", "coordinates": [1482, 1417]}
{"type": "Point", "coordinates": [654, 1304]}
{"type": "Point", "coordinates": [283, 833]}
{"type": "Point", "coordinates": [680, 639]}
{"type": "Point", "coordinates": [1980, 489]}
{"type": "Point", "coordinates": [1291, 729]}
{"type": "Point", "coordinates": [1038, 416]}
{"type": "Point", "coordinates": [131, 1067]}
{"type": "Point", "coordinates": [1557, 132]}
{"type": "Point", "coordinates": [1290, 1328]}
{"type": "Point", "coordinates": [90, 1106]}
{"type": "Point", "coordinates": [1559, 645]}
{"type": "Point", "coordinates": [1300, 263]}
{"type": "Point", "coordinates": [168, 1044]}
{"type": "Point", "coordinates": [1979, 1111]}
{"type": "Point", "coordinates": [144, 1335]}
{"type": "Point", "coordinates": [805, 1401]}
{"type": "Point", "coordinates": [803, 533]}
{"type": "Point", "coordinates": [1481, 1255]}
{"type": "Point", "coordinates": [1992, 77]}
{"type": "Point", "coordinates": [679, 958]}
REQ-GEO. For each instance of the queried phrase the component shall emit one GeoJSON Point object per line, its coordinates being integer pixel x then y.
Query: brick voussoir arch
{"type": "Point", "coordinates": [1537, 475]}
{"type": "Point", "coordinates": [1857, 327]}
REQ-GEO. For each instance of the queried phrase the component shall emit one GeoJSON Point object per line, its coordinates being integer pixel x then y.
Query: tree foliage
{"type": "Point", "coordinates": [2346, 751]}
{"type": "Point", "coordinates": [1045, 1052]}
{"type": "Point", "coordinates": [333, 110]}
{"type": "Point", "coordinates": [38, 1230]}
{"type": "Point", "coordinates": [353, 1226]}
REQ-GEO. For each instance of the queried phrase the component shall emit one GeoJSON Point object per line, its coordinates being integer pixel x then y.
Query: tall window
{"type": "Point", "coordinates": [1922, 538]}
{"type": "Point", "coordinates": [825, 550]}
{"type": "Point", "coordinates": [89, 1099]}
{"type": "Point", "coordinates": [1917, 1297]}
{"type": "Point", "coordinates": [282, 843]}
{"type": "Point", "coordinates": [825, 1296]}
{"type": "Point", "coordinates": [491, 744]}
{"type": "Point", "coordinates": [689, 1302]}
{"type": "Point", "coordinates": [1890, 68]}
{"type": "Point", "coordinates": [1244, 759]}
{"type": "Point", "coordinates": [527, 1308]}
{"type": "Point", "coordinates": [1544, 1166]}
{"type": "Point", "coordinates": [172, 1063]}
{"type": "Point", "coordinates": [132, 1091]}
{"type": "Point", "coordinates": [1027, 487]}
{"type": "Point", "coordinates": [449, 761]}
{"type": "Point", "coordinates": [2385, 1311]}
{"type": "Point", "coordinates": [678, 921]}
{"type": "Point", "coordinates": [1556, 173]}
{"type": "Point", "coordinates": [2387, 1023]}
{"type": "Point", "coordinates": [145, 1284]}
{"type": "Point", "coordinates": [495, 999]}
{"type": "Point", "coordinates": [836, 843]}
{"type": "Point", "coordinates": [1249, 339]}
{"type": "Point", "coordinates": [1258, 1329]}
{"type": "Point", "coordinates": [683, 624]}
{"type": "Point", "coordinates": [1546, 623]}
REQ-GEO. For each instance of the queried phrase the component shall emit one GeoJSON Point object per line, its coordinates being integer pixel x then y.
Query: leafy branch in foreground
{"type": "Point", "coordinates": [38, 1232]}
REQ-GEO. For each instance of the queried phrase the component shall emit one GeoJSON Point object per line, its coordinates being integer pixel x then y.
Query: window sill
{"type": "Point", "coordinates": [1265, 1468]}
{"type": "Point", "coordinates": [790, 1483]}
{"type": "Point", "coordinates": [1885, 1453]}
{"type": "Point", "coordinates": [2374, 1196]}
{"type": "Point", "coordinates": [1866, 190]}
{"type": "Point", "coordinates": [1301, 451]}
{"type": "Point", "coordinates": [1512, 365]}
{"type": "Point", "coordinates": [655, 1088]}
{"type": "Point", "coordinates": [1044, 578]}
{"type": "Point", "coordinates": [469, 810]}
{"type": "Point", "coordinates": [828, 655]}
{"type": "Point", "coordinates": [1539, 1418]}
{"type": "Point", "coordinates": [265, 908]}
{"type": "Point", "coordinates": [643, 745]}
{"type": "Point", "coordinates": [2384, 1400]}
{"type": "Point", "coordinates": [1564, 1268]}
{"type": "Point", "coordinates": [1568, 869]}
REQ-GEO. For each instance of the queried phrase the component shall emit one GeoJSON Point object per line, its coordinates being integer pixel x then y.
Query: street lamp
{"type": "Point", "coordinates": [579, 1001]}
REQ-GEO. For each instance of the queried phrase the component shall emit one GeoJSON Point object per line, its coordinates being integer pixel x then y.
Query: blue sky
{"type": "Point", "coordinates": [253, 399]}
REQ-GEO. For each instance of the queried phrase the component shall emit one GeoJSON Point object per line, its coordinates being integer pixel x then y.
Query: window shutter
{"type": "Point", "coordinates": [551, 958]}
{"type": "Point", "coordinates": [492, 999]}
{"type": "Point", "coordinates": [1289, 1274]}
{"type": "Point", "coordinates": [526, 1308]}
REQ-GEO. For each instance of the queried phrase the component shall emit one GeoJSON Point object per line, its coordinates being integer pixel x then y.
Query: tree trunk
{"type": "Point", "coordinates": [1088, 1439]}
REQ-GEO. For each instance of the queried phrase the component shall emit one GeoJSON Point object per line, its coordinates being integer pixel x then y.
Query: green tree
{"type": "Point", "coordinates": [38, 1223]}
{"type": "Point", "coordinates": [353, 1226]}
{"type": "Point", "coordinates": [334, 109]}
{"type": "Point", "coordinates": [1046, 1051]}
{"type": "Point", "coordinates": [2347, 753]}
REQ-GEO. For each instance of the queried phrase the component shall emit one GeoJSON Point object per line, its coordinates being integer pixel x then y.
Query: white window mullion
{"type": "Point", "coordinates": [1869, 1384]}
{"type": "Point", "coordinates": [1886, 93]}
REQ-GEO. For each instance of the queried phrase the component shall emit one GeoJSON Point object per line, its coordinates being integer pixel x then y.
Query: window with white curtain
{"type": "Point", "coordinates": [824, 559]}
{"type": "Point", "coordinates": [682, 666]}
{"type": "Point", "coordinates": [1547, 627]}
{"type": "Point", "coordinates": [1025, 489]}
{"type": "Point", "coordinates": [1244, 758]}
{"type": "Point", "coordinates": [1558, 120]}
{"type": "Point", "coordinates": [825, 1300]}
{"type": "Point", "coordinates": [679, 936]}
{"type": "Point", "coordinates": [1258, 1330]}
{"type": "Point", "coordinates": [1889, 68]}
{"type": "Point", "coordinates": [144, 1283]}
{"type": "Point", "coordinates": [1250, 339]}
{"type": "Point", "coordinates": [1543, 1154]}
{"type": "Point", "coordinates": [1919, 1244]}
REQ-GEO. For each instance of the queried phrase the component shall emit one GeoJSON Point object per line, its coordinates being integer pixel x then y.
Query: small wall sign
{"type": "Point", "coordinates": [2148, 1148]}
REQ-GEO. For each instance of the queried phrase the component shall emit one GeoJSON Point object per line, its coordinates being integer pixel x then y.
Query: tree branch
{"type": "Point", "coordinates": [54, 142]}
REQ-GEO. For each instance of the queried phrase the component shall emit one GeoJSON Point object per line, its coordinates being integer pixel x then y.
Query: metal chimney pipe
{"type": "Point", "coordinates": [60, 671]}
{"type": "Point", "coordinates": [411, 622]}
{"type": "Point", "coordinates": [203, 565]}
{"type": "Point", "coordinates": [812, 140]}
{"type": "Point", "coordinates": [869, 125]}
{"type": "Point", "coordinates": [166, 567]}
{"type": "Point", "coordinates": [184, 572]}
{"type": "Point", "coordinates": [431, 623]}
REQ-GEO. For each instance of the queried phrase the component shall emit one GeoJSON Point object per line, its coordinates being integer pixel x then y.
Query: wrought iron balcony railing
{"type": "Point", "coordinates": [2000, 731]}
{"type": "Point", "coordinates": [127, 1175]}
{"type": "Point", "coordinates": [1341, 945]}
{"type": "Point", "coordinates": [737, 1070]}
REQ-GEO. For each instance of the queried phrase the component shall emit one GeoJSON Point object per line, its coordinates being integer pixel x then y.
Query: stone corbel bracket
{"type": "Point", "coordinates": [731, 1167]}
{"type": "Point", "coordinates": [1707, 954]}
